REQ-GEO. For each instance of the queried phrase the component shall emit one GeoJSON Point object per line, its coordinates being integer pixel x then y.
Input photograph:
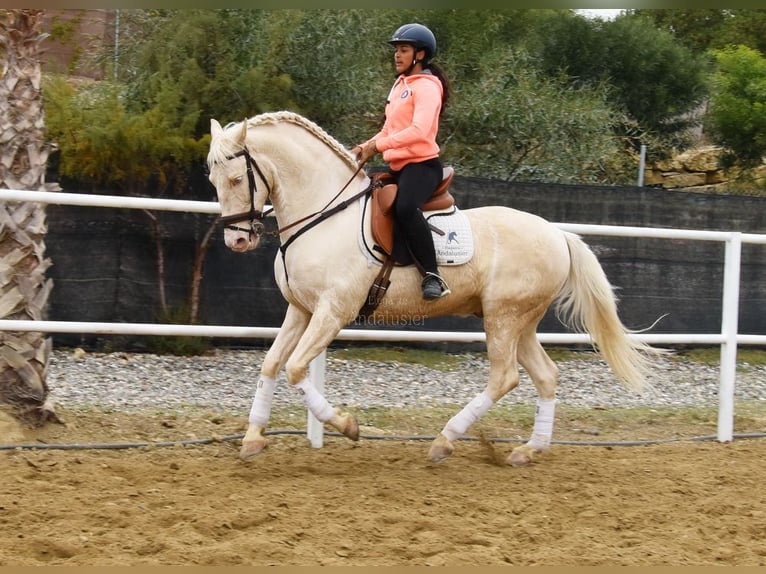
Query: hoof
{"type": "Point", "coordinates": [441, 449]}
{"type": "Point", "coordinates": [252, 448]}
{"type": "Point", "coordinates": [522, 455]}
{"type": "Point", "coordinates": [351, 428]}
{"type": "Point", "coordinates": [347, 425]}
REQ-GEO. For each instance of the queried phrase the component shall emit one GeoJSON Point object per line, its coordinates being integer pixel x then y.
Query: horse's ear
{"type": "Point", "coordinates": [243, 133]}
{"type": "Point", "coordinates": [215, 128]}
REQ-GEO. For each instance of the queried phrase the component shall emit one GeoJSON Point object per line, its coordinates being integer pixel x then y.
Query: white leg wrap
{"type": "Point", "coordinates": [261, 409]}
{"type": "Point", "coordinates": [543, 429]}
{"type": "Point", "coordinates": [473, 411]}
{"type": "Point", "coordinates": [314, 401]}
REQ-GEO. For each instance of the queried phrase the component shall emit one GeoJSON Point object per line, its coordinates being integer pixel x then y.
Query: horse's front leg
{"type": "Point", "coordinates": [322, 329]}
{"type": "Point", "coordinates": [289, 334]}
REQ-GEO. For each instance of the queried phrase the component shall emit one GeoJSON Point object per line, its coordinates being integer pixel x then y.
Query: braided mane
{"type": "Point", "coordinates": [224, 147]}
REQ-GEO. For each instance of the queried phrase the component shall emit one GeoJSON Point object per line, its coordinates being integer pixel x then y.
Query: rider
{"type": "Point", "coordinates": [407, 141]}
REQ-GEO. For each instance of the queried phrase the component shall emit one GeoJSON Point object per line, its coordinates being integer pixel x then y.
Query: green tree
{"type": "Point", "coordinates": [515, 123]}
{"type": "Point", "coordinates": [736, 118]}
{"type": "Point", "coordinates": [702, 29]}
{"type": "Point", "coordinates": [743, 27]}
{"type": "Point", "coordinates": [697, 29]}
{"type": "Point", "coordinates": [655, 80]}
{"type": "Point", "coordinates": [466, 37]}
{"type": "Point", "coordinates": [103, 144]}
{"type": "Point", "coordinates": [198, 64]}
{"type": "Point", "coordinates": [338, 61]}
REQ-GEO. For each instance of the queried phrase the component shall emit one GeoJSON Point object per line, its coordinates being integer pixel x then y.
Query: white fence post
{"type": "Point", "coordinates": [729, 326]}
{"type": "Point", "coordinates": [315, 427]}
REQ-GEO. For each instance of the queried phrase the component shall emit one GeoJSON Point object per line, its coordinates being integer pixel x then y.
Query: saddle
{"type": "Point", "coordinates": [384, 191]}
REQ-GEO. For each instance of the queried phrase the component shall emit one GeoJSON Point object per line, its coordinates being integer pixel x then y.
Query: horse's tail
{"type": "Point", "coordinates": [587, 303]}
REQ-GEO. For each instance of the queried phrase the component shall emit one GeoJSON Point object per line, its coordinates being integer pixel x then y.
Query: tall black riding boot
{"type": "Point", "coordinates": [421, 245]}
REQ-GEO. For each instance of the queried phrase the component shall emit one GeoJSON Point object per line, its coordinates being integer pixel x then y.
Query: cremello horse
{"type": "Point", "coordinates": [522, 264]}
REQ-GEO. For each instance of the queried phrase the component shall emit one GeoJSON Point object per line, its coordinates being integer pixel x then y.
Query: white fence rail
{"type": "Point", "coordinates": [728, 338]}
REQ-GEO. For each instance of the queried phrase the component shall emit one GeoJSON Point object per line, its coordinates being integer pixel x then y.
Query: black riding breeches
{"type": "Point", "coordinates": [417, 181]}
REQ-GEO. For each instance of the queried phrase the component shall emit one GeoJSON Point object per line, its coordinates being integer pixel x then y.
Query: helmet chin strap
{"type": "Point", "coordinates": [411, 67]}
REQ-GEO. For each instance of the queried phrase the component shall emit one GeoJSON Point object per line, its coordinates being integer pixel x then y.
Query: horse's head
{"type": "Point", "coordinates": [240, 184]}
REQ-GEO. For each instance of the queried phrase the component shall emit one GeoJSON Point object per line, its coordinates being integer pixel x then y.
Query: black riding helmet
{"type": "Point", "coordinates": [417, 35]}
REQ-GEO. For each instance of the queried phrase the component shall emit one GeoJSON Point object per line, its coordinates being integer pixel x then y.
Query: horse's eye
{"type": "Point", "coordinates": [237, 180]}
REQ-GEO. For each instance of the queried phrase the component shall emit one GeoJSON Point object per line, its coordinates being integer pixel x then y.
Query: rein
{"type": "Point", "coordinates": [324, 213]}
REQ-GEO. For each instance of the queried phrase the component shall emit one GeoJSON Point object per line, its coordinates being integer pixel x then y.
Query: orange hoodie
{"type": "Point", "coordinates": [412, 120]}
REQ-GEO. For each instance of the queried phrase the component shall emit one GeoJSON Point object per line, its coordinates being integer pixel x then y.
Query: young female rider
{"type": "Point", "coordinates": [408, 143]}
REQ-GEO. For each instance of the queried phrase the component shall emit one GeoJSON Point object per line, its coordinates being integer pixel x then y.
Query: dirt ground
{"type": "Point", "coordinates": [375, 502]}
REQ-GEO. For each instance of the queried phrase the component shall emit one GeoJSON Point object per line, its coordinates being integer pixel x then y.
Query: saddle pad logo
{"type": "Point", "coordinates": [455, 245]}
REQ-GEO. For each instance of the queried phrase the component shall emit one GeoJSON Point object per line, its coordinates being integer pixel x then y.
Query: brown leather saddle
{"type": "Point", "coordinates": [382, 203]}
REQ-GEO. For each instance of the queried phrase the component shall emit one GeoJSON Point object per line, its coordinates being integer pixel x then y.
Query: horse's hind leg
{"type": "Point", "coordinates": [503, 377]}
{"type": "Point", "coordinates": [289, 334]}
{"type": "Point", "coordinates": [544, 374]}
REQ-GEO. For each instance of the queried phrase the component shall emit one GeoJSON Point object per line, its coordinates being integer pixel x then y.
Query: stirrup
{"type": "Point", "coordinates": [444, 289]}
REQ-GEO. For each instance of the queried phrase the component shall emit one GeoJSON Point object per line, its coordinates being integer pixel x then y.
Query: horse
{"type": "Point", "coordinates": [521, 265]}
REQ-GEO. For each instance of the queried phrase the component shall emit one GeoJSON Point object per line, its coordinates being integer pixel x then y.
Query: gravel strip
{"type": "Point", "coordinates": [225, 380]}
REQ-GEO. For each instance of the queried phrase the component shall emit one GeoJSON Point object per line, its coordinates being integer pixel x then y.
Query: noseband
{"type": "Point", "coordinates": [254, 216]}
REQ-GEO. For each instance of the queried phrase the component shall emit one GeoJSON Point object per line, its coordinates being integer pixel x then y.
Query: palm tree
{"type": "Point", "coordinates": [24, 289]}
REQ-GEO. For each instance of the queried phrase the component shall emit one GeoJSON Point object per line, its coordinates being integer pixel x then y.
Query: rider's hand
{"type": "Point", "coordinates": [364, 152]}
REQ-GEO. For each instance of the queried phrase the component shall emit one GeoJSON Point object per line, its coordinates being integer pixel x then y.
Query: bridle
{"type": "Point", "coordinates": [254, 216]}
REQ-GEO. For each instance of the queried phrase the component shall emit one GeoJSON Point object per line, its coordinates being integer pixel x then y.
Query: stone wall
{"type": "Point", "coordinates": [699, 169]}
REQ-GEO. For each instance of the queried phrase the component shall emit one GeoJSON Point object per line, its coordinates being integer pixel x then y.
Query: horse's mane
{"type": "Point", "coordinates": [223, 147]}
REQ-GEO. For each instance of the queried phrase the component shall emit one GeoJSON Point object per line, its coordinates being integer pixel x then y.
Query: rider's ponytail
{"type": "Point", "coordinates": [437, 71]}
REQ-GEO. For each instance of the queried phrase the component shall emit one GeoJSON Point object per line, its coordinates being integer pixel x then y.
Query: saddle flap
{"type": "Point", "coordinates": [382, 217]}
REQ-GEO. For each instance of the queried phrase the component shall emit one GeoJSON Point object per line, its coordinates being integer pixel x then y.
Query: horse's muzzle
{"type": "Point", "coordinates": [242, 239]}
